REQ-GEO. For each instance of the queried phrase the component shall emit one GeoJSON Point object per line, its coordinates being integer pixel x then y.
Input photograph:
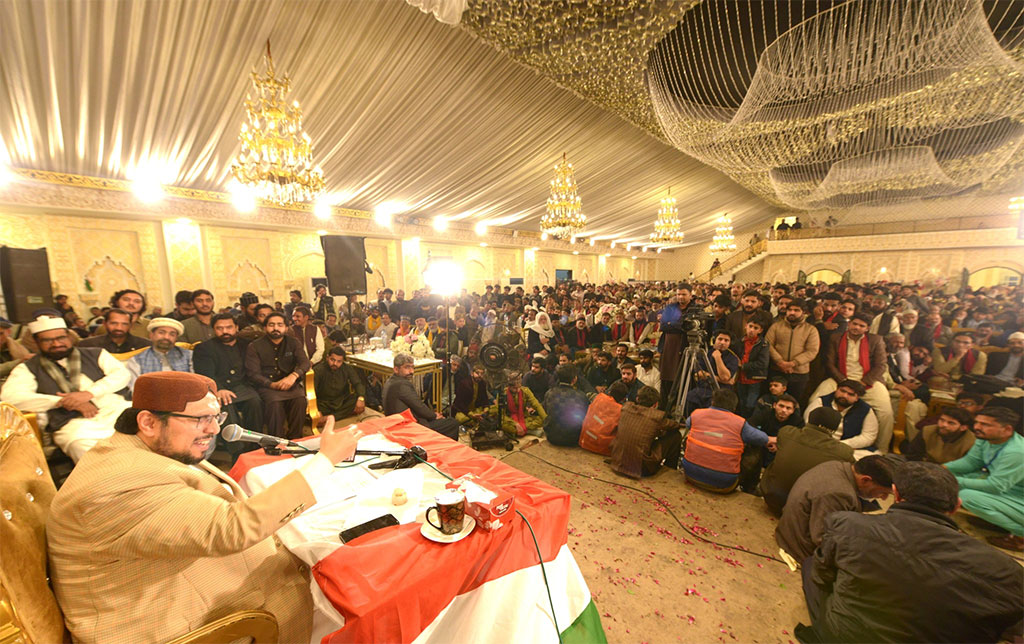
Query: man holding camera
{"type": "Point", "coordinates": [673, 337]}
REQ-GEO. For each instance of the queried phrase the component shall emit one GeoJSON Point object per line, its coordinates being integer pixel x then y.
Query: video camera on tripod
{"type": "Point", "coordinates": [695, 323]}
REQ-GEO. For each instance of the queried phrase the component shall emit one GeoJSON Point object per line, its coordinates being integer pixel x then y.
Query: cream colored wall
{"type": "Point", "coordinates": [925, 256]}
{"type": "Point", "coordinates": [162, 257]}
{"type": "Point", "coordinates": [678, 264]}
{"type": "Point", "coordinates": [91, 258]}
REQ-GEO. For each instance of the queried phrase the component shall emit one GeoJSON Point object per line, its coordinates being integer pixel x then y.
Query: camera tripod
{"type": "Point", "coordinates": [695, 349]}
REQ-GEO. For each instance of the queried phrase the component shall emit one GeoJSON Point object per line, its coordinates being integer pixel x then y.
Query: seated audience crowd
{"type": "Point", "coordinates": [818, 398]}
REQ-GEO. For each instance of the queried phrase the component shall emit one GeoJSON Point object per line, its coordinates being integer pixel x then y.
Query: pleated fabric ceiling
{"type": "Point", "coordinates": [402, 109]}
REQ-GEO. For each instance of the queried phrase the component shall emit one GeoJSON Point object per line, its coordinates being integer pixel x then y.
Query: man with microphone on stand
{"type": "Point", "coordinates": [144, 520]}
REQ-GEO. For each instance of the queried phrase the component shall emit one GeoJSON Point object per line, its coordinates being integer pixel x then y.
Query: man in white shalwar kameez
{"type": "Point", "coordinates": [76, 392]}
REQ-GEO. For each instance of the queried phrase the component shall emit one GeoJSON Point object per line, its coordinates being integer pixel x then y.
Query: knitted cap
{"type": "Point", "coordinates": [248, 298]}
{"type": "Point", "coordinates": [170, 390]}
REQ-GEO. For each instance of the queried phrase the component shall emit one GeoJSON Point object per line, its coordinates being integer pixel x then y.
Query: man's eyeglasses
{"type": "Point", "coordinates": [216, 419]}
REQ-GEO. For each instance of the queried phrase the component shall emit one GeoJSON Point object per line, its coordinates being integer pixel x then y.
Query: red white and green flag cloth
{"type": "Point", "coordinates": [394, 585]}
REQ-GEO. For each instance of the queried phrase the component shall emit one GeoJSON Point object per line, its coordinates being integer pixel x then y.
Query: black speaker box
{"type": "Point", "coordinates": [344, 263]}
{"type": "Point", "coordinates": [25, 280]}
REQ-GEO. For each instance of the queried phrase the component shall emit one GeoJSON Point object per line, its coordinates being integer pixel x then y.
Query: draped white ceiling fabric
{"type": "Point", "coordinates": [400, 107]}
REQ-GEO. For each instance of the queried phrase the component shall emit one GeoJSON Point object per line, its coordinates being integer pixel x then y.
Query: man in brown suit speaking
{"type": "Point", "coordinates": [148, 541]}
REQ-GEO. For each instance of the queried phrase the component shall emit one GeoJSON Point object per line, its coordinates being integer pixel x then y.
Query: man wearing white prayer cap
{"type": "Point", "coordinates": [77, 393]}
{"type": "Point", "coordinates": [164, 355]}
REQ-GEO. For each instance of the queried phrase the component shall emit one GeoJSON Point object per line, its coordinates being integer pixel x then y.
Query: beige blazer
{"type": "Point", "coordinates": [144, 548]}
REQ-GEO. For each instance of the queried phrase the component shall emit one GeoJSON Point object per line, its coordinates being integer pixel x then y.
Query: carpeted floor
{"type": "Point", "coordinates": [654, 582]}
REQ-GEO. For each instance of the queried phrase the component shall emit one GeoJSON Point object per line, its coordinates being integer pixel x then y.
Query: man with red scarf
{"type": "Point", "coordinates": [640, 329]}
{"type": "Point", "coordinates": [521, 412]}
{"type": "Point", "coordinates": [858, 355]}
{"type": "Point", "coordinates": [959, 357]}
{"type": "Point", "coordinates": [576, 338]}
{"type": "Point", "coordinates": [620, 328]}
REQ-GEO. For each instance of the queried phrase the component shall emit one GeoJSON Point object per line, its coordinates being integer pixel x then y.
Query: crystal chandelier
{"type": "Point", "coordinates": [667, 226]}
{"type": "Point", "coordinates": [276, 160]}
{"type": "Point", "coordinates": [724, 239]}
{"type": "Point", "coordinates": [565, 217]}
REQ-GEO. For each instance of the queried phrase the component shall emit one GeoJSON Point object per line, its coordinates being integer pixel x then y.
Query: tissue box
{"type": "Point", "coordinates": [490, 505]}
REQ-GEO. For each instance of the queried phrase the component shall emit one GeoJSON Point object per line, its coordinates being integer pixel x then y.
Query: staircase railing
{"type": "Point", "coordinates": [734, 260]}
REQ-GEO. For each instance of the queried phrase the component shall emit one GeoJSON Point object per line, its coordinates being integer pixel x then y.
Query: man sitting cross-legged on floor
{"type": "Point", "coordinates": [769, 420]}
{"type": "Point", "coordinates": [340, 391]}
{"type": "Point", "coordinates": [521, 412]}
{"type": "Point", "coordinates": [566, 407]}
{"type": "Point", "coordinates": [645, 438]}
{"type": "Point", "coordinates": [399, 395]}
{"type": "Point", "coordinates": [859, 426]}
{"type": "Point", "coordinates": [860, 356]}
{"type": "Point", "coordinates": [714, 445]}
{"type": "Point", "coordinates": [947, 440]}
{"type": "Point", "coordinates": [991, 474]}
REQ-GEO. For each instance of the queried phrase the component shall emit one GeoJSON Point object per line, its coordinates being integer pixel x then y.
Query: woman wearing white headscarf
{"type": "Point", "coordinates": [489, 330]}
{"type": "Point", "coordinates": [539, 335]}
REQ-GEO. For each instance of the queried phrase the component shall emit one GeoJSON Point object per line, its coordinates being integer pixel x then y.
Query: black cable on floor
{"type": "Point", "coordinates": [659, 501]}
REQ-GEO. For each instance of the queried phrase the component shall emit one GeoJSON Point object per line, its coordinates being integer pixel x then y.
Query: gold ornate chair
{"type": "Point", "coordinates": [311, 409]}
{"type": "Point", "coordinates": [29, 613]}
{"type": "Point", "coordinates": [128, 355]}
{"type": "Point", "coordinates": [28, 608]}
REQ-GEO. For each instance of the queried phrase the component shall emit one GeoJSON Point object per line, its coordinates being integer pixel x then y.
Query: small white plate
{"type": "Point", "coordinates": [432, 533]}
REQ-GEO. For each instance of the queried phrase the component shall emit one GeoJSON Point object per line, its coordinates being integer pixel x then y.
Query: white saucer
{"type": "Point", "coordinates": [432, 533]}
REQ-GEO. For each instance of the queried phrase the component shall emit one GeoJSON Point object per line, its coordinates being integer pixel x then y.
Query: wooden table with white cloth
{"type": "Point", "coordinates": [381, 362]}
{"type": "Point", "coordinates": [395, 585]}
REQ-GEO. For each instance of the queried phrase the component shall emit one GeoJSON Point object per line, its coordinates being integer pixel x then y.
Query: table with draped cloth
{"type": "Point", "coordinates": [394, 585]}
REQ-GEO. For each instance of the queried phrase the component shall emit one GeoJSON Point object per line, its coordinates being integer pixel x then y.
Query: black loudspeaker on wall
{"type": "Point", "coordinates": [25, 280]}
{"type": "Point", "coordinates": [345, 264]}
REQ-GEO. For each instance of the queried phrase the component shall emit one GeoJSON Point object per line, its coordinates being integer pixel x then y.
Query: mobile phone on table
{"type": "Point", "coordinates": [363, 528]}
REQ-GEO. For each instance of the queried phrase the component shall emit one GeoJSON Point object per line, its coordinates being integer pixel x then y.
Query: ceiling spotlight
{"type": "Point", "coordinates": [613, 244]}
{"type": "Point", "coordinates": [440, 224]}
{"type": "Point", "coordinates": [572, 239]}
{"type": "Point", "coordinates": [634, 256]}
{"type": "Point", "coordinates": [591, 241]}
{"type": "Point", "coordinates": [483, 244]}
{"type": "Point", "coordinates": [321, 233]}
{"type": "Point", "coordinates": [383, 213]}
{"type": "Point", "coordinates": [659, 251]}
{"type": "Point", "coordinates": [322, 210]}
{"type": "Point", "coordinates": [543, 236]}
{"type": "Point", "coordinates": [147, 186]}
{"type": "Point", "coordinates": [242, 198]}
{"type": "Point", "coordinates": [480, 228]}
{"type": "Point", "coordinates": [575, 252]}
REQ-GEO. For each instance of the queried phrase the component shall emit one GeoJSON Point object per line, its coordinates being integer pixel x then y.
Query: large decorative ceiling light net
{"type": "Point", "coordinates": [815, 104]}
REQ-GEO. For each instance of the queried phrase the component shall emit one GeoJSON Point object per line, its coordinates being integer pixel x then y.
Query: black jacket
{"type": "Point", "coordinates": [224, 364]}
{"type": "Point", "coordinates": [400, 394]}
{"type": "Point", "coordinates": [996, 363]}
{"type": "Point", "coordinates": [910, 575]}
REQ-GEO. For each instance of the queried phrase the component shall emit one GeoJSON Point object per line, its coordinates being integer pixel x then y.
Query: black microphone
{"type": "Point", "coordinates": [232, 433]}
